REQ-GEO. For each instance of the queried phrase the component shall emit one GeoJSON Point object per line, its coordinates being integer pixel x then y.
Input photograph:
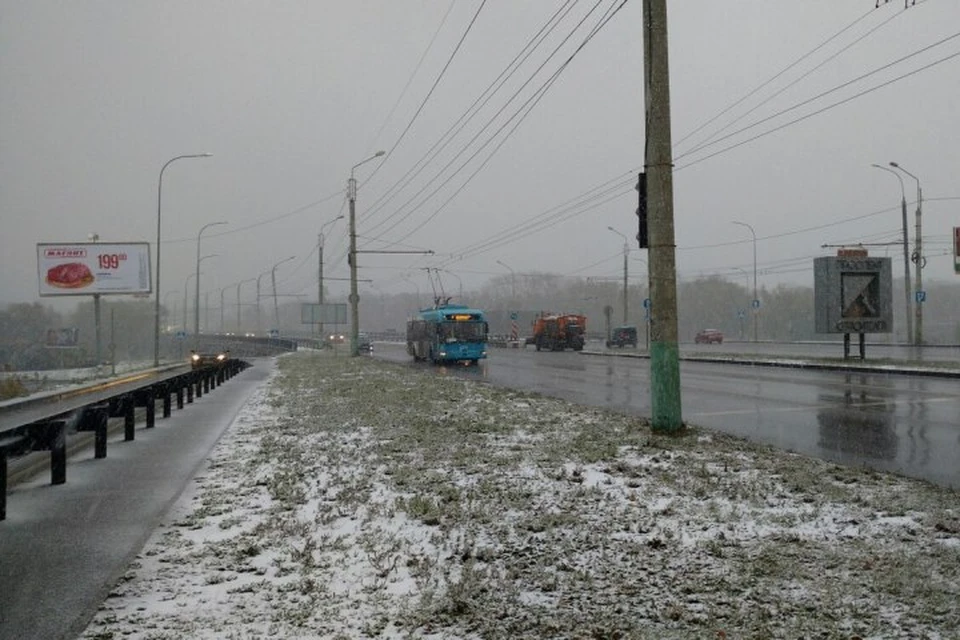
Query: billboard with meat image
{"type": "Point", "coordinates": [88, 268]}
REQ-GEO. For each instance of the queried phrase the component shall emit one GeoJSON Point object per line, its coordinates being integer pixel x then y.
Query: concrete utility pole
{"type": "Point", "coordinates": [907, 295]}
{"type": "Point", "coordinates": [917, 258]}
{"type": "Point", "coordinates": [354, 294]}
{"type": "Point", "coordinates": [658, 163]}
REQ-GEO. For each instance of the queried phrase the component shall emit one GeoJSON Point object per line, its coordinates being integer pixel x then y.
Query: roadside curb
{"type": "Point", "coordinates": [931, 372]}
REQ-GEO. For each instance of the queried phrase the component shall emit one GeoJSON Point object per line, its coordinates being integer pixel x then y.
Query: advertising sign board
{"type": "Point", "coordinates": [87, 268]}
{"type": "Point", "coordinates": [62, 337]}
{"type": "Point", "coordinates": [311, 313]}
{"type": "Point", "coordinates": [956, 249]}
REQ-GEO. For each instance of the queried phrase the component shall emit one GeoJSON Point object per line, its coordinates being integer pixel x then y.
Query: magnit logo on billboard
{"type": "Point", "coordinates": [64, 252]}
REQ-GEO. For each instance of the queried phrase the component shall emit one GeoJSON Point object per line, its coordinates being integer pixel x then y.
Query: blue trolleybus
{"type": "Point", "coordinates": [448, 333]}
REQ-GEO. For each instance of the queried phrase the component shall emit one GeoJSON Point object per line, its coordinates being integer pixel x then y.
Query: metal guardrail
{"type": "Point", "coordinates": [42, 423]}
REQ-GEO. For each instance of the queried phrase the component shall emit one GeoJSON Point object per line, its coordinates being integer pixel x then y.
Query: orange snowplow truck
{"type": "Point", "coordinates": [556, 332]}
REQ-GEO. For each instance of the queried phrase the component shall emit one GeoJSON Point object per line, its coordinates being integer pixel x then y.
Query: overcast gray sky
{"type": "Point", "coordinates": [95, 96]}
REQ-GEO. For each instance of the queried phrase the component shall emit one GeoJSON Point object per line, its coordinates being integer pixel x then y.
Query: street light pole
{"type": "Point", "coordinates": [273, 284]}
{"type": "Point", "coordinates": [354, 294]}
{"type": "Point", "coordinates": [259, 324]}
{"type": "Point", "coordinates": [513, 280]}
{"type": "Point", "coordinates": [755, 302]}
{"type": "Point", "coordinates": [238, 300]}
{"type": "Point", "coordinates": [156, 305]}
{"type": "Point", "coordinates": [222, 289]}
{"type": "Point", "coordinates": [459, 282]}
{"type": "Point", "coordinates": [185, 287]}
{"type": "Point", "coordinates": [626, 252]}
{"type": "Point", "coordinates": [416, 287]}
{"type": "Point", "coordinates": [908, 296]}
{"type": "Point", "coordinates": [320, 272]}
{"type": "Point", "coordinates": [196, 299]}
{"type": "Point", "coordinates": [917, 258]}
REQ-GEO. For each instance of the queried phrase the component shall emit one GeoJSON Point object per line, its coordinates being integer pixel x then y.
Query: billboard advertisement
{"type": "Point", "coordinates": [323, 313]}
{"type": "Point", "coordinates": [86, 268]}
{"type": "Point", "coordinates": [956, 249]}
{"type": "Point", "coordinates": [63, 337]}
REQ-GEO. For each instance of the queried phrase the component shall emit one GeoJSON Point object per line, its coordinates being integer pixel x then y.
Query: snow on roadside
{"type": "Point", "coordinates": [356, 498]}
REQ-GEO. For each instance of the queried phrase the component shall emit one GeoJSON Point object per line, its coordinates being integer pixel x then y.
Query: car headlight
{"type": "Point", "coordinates": [195, 357]}
{"type": "Point", "coordinates": [221, 357]}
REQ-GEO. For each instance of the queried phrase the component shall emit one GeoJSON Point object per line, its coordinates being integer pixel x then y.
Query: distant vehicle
{"type": "Point", "coordinates": [556, 332]}
{"type": "Point", "coordinates": [364, 344]}
{"type": "Point", "coordinates": [336, 338]}
{"type": "Point", "coordinates": [709, 336]}
{"type": "Point", "coordinates": [200, 360]}
{"type": "Point", "coordinates": [448, 333]}
{"type": "Point", "coordinates": [623, 336]}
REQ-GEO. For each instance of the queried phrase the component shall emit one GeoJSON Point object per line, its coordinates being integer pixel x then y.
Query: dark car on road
{"type": "Point", "coordinates": [623, 336]}
{"type": "Point", "coordinates": [364, 344]}
{"type": "Point", "coordinates": [709, 336]}
{"type": "Point", "coordinates": [201, 359]}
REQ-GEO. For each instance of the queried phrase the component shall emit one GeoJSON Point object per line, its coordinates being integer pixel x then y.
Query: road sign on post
{"type": "Point", "coordinates": [921, 296]}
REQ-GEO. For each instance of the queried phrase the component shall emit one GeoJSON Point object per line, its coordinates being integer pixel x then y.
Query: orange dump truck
{"type": "Point", "coordinates": [559, 331]}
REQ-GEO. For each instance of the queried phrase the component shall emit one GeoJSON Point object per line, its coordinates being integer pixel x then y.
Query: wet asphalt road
{"type": "Point", "coordinates": [890, 422]}
{"type": "Point", "coordinates": [64, 547]}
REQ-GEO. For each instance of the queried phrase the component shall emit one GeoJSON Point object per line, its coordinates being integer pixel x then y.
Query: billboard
{"type": "Point", "coordinates": [86, 268]}
{"type": "Point", "coordinates": [956, 249]}
{"type": "Point", "coordinates": [323, 313]}
{"type": "Point", "coordinates": [62, 337]}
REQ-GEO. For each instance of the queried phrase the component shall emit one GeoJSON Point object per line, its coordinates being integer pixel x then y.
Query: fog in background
{"type": "Point", "coordinates": [95, 96]}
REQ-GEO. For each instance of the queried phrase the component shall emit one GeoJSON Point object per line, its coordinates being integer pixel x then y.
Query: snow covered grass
{"type": "Point", "coordinates": [356, 498]}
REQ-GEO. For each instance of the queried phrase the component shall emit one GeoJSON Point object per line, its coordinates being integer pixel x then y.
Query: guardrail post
{"type": "Point", "coordinates": [129, 419]}
{"type": "Point", "coordinates": [190, 391]}
{"type": "Point", "coordinates": [199, 389]}
{"type": "Point", "coordinates": [166, 401]}
{"type": "Point", "coordinates": [206, 382]}
{"type": "Point", "coordinates": [179, 394]}
{"type": "Point", "coordinates": [3, 484]}
{"type": "Point", "coordinates": [100, 432]}
{"type": "Point", "coordinates": [57, 440]}
{"type": "Point", "coordinates": [151, 405]}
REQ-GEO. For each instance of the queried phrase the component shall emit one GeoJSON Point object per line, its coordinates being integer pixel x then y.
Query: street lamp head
{"type": "Point", "coordinates": [379, 153]}
{"type": "Point", "coordinates": [894, 164]}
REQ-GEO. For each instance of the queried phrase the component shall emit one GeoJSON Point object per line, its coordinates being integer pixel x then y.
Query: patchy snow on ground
{"type": "Point", "coordinates": [354, 498]}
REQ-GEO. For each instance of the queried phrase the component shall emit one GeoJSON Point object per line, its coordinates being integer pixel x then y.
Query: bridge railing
{"type": "Point", "coordinates": [43, 423]}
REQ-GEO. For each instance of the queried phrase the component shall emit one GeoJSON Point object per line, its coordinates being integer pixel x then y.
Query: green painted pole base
{"type": "Point", "coordinates": [665, 387]}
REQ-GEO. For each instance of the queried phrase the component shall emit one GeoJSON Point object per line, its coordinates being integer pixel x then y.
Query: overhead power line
{"type": "Point", "coordinates": [772, 79]}
{"type": "Point", "coordinates": [481, 101]}
{"type": "Point", "coordinates": [432, 88]}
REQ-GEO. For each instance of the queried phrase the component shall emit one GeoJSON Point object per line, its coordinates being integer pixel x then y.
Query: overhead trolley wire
{"type": "Point", "coordinates": [416, 70]}
{"type": "Point", "coordinates": [529, 104]}
{"type": "Point", "coordinates": [832, 90]}
{"type": "Point", "coordinates": [773, 78]}
{"type": "Point", "coordinates": [433, 88]}
{"type": "Point", "coordinates": [817, 112]}
{"type": "Point", "coordinates": [473, 109]}
{"type": "Point", "coordinates": [479, 133]}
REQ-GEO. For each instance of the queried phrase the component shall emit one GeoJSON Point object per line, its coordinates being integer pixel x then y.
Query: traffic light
{"type": "Point", "coordinates": [642, 237]}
